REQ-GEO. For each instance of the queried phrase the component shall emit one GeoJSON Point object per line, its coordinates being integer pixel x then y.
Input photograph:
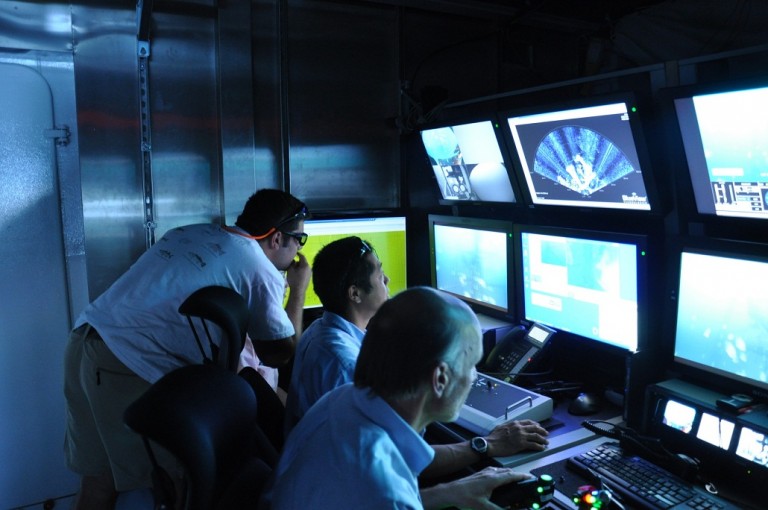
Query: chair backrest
{"type": "Point", "coordinates": [228, 310]}
{"type": "Point", "coordinates": [271, 416]}
{"type": "Point", "coordinates": [205, 415]}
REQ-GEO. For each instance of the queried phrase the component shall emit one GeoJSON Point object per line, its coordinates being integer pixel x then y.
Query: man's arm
{"type": "Point", "coordinates": [472, 491]}
{"type": "Point", "coordinates": [277, 353]}
{"type": "Point", "coordinates": [506, 439]}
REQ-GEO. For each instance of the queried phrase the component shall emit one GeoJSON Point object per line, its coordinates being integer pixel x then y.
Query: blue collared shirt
{"type": "Point", "coordinates": [325, 359]}
{"type": "Point", "coordinates": [351, 450]}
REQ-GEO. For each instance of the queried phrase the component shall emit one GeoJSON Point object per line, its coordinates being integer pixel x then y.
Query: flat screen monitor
{"type": "Point", "coordinates": [722, 314]}
{"type": "Point", "coordinates": [470, 258]}
{"type": "Point", "coordinates": [468, 162]}
{"type": "Point", "coordinates": [385, 234]}
{"type": "Point", "coordinates": [586, 283]}
{"type": "Point", "coordinates": [591, 156]}
{"type": "Point", "coordinates": [725, 137]}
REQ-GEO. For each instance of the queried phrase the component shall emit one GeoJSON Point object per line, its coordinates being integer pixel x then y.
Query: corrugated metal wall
{"type": "Point", "coordinates": [239, 95]}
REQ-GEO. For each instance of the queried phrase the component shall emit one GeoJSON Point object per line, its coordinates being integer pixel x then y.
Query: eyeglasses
{"type": "Point", "coordinates": [302, 213]}
{"type": "Point", "coordinates": [301, 237]}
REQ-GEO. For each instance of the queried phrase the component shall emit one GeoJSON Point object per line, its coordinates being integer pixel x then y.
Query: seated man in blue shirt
{"type": "Point", "coordinates": [360, 445]}
{"type": "Point", "coordinates": [349, 280]}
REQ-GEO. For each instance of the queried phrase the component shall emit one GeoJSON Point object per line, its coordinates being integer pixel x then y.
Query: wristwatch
{"type": "Point", "coordinates": [479, 445]}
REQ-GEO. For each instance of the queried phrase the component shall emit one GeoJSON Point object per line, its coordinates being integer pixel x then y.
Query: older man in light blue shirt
{"type": "Point", "coordinates": [360, 445]}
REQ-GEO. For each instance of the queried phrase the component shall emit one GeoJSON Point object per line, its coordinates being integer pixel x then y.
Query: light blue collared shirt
{"type": "Point", "coordinates": [351, 450]}
{"type": "Point", "coordinates": [325, 359]}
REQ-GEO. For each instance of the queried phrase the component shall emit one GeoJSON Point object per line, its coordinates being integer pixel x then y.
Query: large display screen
{"type": "Point", "coordinates": [582, 282]}
{"type": "Point", "coordinates": [582, 157]}
{"type": "Point", "coordinates": [468, 163]}
{"type": "Point", "coordinates": [722, 315]}
{"type": "Point", "coordinates": [470, 258]}
{"type": "Point", "coordinates": [725, 137]}
{"type": "Point", "coordinates": [385, 234]}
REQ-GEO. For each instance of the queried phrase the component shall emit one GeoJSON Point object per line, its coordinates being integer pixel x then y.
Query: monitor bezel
{"type": "Point", "coordinates": [710, 377]}
{"type": "Point", "coordinates": [641, 243]}
{"type": "Point", "coordinates": [687, 198]}
{"type": "Point", "coordinates": [358, 215]}
{"type": "Point", "coordinates": [639, 116]}
{"type": "Point", "coordinates": [491, 224]}
{"type": "Point", "coordinates": [501, 140]}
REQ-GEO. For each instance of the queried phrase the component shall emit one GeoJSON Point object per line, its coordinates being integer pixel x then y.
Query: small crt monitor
{"type": "Point", "coordinates": [678, 416]}
{"type": "Point", "coordinates": [386, 236]}
{"type": "Point", "coordinates": [753, 446]}
{"type": "Point", "coordinates": [722, 314]}
{"type": "Point", "coordinates": [468, 162]}
{"type": "Point", "coordinates": [715, 431]}
{"type": "Point", "coordinates": [725, 137]}
{"type": "Point", "coordinates": [583, 157]}
{"type": "Point", "coordinates": [583, 282]}
{"type": "Point", "coordinates": [470, 258]}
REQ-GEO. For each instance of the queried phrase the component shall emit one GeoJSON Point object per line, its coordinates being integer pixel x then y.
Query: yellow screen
{"type": "Point", "coordinates": [386, 236]}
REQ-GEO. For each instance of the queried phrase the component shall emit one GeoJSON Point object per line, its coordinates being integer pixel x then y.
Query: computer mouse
{"type": "Point", "coordinates": [585, 404]}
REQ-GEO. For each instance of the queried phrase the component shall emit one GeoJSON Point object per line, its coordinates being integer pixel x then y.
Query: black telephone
{"type": "Point", "coordinates": [516, 352]}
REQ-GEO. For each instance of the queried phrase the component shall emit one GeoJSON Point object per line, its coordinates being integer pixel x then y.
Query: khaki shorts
{"type": "Point", "coordinates": [98, 388]}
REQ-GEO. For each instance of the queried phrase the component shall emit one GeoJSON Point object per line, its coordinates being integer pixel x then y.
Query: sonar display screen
{"type": "Point", "coordinates": [584, 157]}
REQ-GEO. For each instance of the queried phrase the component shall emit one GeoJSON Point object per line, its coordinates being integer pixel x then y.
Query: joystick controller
{"type": "Point", "coordinates": [528, 493]}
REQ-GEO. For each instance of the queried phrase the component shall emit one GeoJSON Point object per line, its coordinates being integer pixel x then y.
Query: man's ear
{"type": "Point", "coordinates": [440, 379]}
{"type": "Point", "coordinates": [353, 293]}
{"type": "Point", "coordinates": [275, 241]}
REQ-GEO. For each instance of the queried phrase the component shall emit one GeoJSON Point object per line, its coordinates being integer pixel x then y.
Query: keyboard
{"type": "Point", "coordinates": [642, 484]}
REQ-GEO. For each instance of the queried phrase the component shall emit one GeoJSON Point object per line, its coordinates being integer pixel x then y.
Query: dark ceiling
{"type": "Point", "coordinates": [561, 15]}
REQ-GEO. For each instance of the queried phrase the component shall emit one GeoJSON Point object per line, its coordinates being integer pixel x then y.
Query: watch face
{"type": "Point", "coordinates": [479, 444]}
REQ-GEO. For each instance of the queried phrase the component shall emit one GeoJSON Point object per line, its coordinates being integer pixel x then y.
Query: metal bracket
{"type": "Point", "coordinates": [59, 134]}
{"type": "Point", "coordinates": [143, 21]}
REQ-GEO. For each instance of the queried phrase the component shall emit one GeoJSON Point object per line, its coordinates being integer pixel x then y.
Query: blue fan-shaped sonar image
{"type": "Point", "coordinates": [580, 159]}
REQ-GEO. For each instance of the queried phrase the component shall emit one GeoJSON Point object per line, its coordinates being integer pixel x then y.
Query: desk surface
{"type": "Point", "coordinates": [565, 431]}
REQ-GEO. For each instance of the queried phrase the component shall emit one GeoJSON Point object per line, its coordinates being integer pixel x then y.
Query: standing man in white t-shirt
{"type": "Point", "coordinates": [133, 334]}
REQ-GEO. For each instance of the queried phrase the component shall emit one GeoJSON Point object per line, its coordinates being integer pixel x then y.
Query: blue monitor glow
{"type": "Point", "coordinates": [386, 235]}
{"type": "Point", "coordinates": [468, 163]}
{"type": "Point", "coordinates": [722, 316]}
{"type": "Point", "coordinates": [470, 258]}
{"type": "Point", "coordinates": [725, 137]}
{"type": "Point", "coordinates": [583, 282]}
{"type": "Point", "coordinates": [583, 157]}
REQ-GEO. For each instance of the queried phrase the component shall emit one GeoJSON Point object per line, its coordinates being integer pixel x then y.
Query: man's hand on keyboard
{"type": "Point", "coordinates": [515, 436]}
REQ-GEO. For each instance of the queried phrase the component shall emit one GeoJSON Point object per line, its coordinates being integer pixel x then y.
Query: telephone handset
{"type": "Point", "coordinates": [517, 351]}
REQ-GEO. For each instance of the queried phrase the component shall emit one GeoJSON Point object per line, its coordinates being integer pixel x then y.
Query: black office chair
{"type": "Point", "coordinates": [271, 414]}
{"type": "Point", "coordinates": [205, 416]}
{"type": "Point", "coordinates": [228, 310]}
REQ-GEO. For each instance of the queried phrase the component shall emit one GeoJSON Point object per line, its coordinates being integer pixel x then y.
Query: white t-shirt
{"type": "Point", "coordinates": [138, 315]}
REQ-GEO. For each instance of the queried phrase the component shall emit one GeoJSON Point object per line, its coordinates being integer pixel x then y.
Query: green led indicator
{"type": "Point", "coordinates": [642, 253]}
{"type": "Point", "coordinates": [634, 109]}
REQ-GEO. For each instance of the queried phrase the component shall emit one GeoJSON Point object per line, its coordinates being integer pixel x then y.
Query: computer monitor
{"type": "Point", "coordinates": [585, 283]}
{"type": "Point", "coordinates": [721, 328]}
{"type": "Point", "coordinates": [588, 156]}
{"type": "Point", "coordinates": [471, 259]}
{"type": "Point", "coordinates": [386, 234]}
{"type": "Point", "coordinates": [725, 138]}
{"type": "Point", "coordinates": [468, 162]}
